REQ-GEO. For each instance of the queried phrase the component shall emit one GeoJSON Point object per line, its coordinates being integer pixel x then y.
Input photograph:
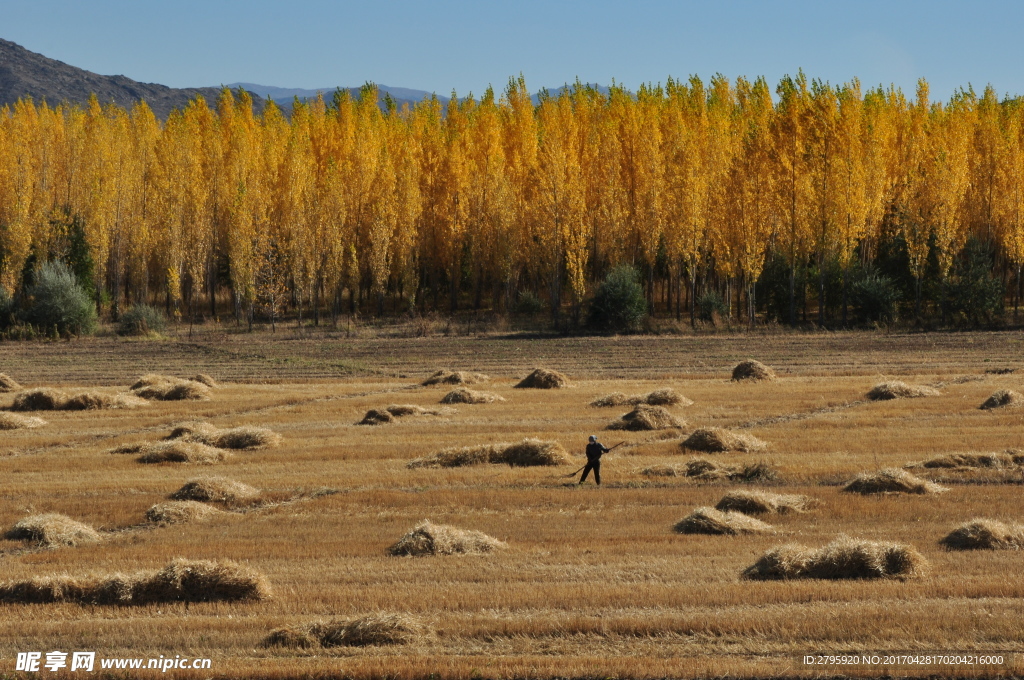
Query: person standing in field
{"type": "Point", "coordinates": [594, 452]}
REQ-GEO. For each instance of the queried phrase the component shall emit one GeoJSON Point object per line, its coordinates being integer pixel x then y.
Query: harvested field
{"type": "Point", "coordinates": [242, 437]}
{"type": "Point", "coordinates": [526, 453]}
{"type": "Point", "coordinates": [1002, 398]}
{"type": "Point", "coordinates": [439, 539]}
{"type": "Point", "coordinates": [645, 417]}
{"type": "Point", "coordinates": [180, 512]}
{"type": "Point", "coordinates": [543, 379]}
{"type": "Point", "coordinates": [445, 377]}
{"type": "Point", "coordinates": [53, 530]}
{"type": "Point", "coordinates": [215, 489]}
{"type": "Point", "coordinates": [763, 502]}
{"type": "Point", "coordinates": [467, 396]}
{"type": "Point", "coordinates": [12, 421]}
{"type": "Point", "coordinates": [891, 480]}
{"type": "Point", "coordinates": [719, 440]}
{"type": "Point", "coordinates": [985, 534]}
{"type": "Point", "coordinates": [897, 389]}
{"type": "Point", "coordinates": [711, 521]}
{"type": "Point", "coordinates": [374, 629]}
{"type": "Point", "coordinates": [8, 384]}
{"type": "Point", "coordinates": [752, 370]}
{"type": "Point", "coordinates": [844, 558]}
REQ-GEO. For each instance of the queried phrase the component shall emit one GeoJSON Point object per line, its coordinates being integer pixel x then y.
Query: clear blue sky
{"type": "Point", "coordinates": [440, 45]}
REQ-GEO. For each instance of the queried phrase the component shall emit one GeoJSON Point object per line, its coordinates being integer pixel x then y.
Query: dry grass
{"type": "Point", "coordinates": [53, 530]}
{"type": "Point", "coordinates": [985, 534]}
{"type": "Point", "coordinates": [891, 480]}
{"type": "Point", "coordinates": [1001, 398]}
{"type": "Point", "coordinates": [752, 370]}
{"type": "Point", "coordinates": [242, 437]}
{"type": "Point", "coordinates": [373, 629]}
{"type": "Point", "coordinates": [174, 390]}
{"type": "Point", "coordinates": [711, 521]}
{"type": "Point", "coordinates": [897, 389]}
{"type": "Point", "coordinates": [204, 379]}
{"type": "Point", "coordinates": [645, 417]}
{"type": "Point", "coordinates": [844, 558]}
{"type": "Point", "coordinates": [390, 414]}
{"type": "Point", "coordinates": [445, 377]}
{"type": "Point", "coordinates": [180, 512]}
{"type": "Point", "coordinates": [215, 489]}
{"type": "Point", "coordinates": [529, 452]}
{"type": "Point", "coordinates": [467, 396]}
{"type": "Point", "coordinates": [543, 379]}
{"type": "Point", "coordinates": [12, 421]}
{"type": "Point", "coordinates": [439, 539]}
{"type": "Point", "coordinates": [181, 451]}
{"type": "Point", "coordinates": [8, 384]}
{"type": "Point", "coordinates": [704, 470]}
{"type": "Point", "coordinates": [763, 502]}
{"type": "Point", "coordinates": [47, 399]}
{"type": "Point", "coordinates": [974, 461]}
{"type": "Point", "coordinates": [719, 440]}
{"type": "Point", "coordinates": [663, 397]}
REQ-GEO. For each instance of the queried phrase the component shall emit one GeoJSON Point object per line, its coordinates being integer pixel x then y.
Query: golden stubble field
{"type": "Point", "coordinates": [594, 582]}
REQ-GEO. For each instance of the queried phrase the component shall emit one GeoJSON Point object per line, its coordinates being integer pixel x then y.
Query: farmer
{"type": "Point", "coordinates": [594, 452]}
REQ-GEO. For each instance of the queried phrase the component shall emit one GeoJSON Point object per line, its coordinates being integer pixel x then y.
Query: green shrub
{"type": "Point", "coordinates": [618, 303]}
{"type": "Point", "coordinates": [710, 304]}
{"type": "Point", "coordinates": [528, 303]}
{"type": "Point", "coordinates": [875, 298]}
{"type": "Point", "coordinates": [141, 320]}
{"type": "Point", "coordinates": [7, 310]}
{"type": "Point", "coordinates": [59, 303]}
{"type": "Point", "coordinates": [972, 294]}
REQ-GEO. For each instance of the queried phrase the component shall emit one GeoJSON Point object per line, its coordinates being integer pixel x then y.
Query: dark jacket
{"type": "Point", "coordinates": [594, 452]}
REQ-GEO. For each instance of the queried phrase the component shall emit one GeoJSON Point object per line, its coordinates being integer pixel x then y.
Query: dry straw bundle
{"type": "Point", "coordinates": [445, 377]}
{"type": "Point", "coordinates": [1002, 398]}
{"type": "Point", "coordinates": [180, 512]}
{"type": "Point", "coordinates": [374, 629]}
{"type": "Point", "coordinates": [389, 414]}
{"type": "Point", "coordinates": [47, 399]}
{"type": "Point", "coordinates": [717, 440]}
{"type": "Point", "coordinates": [181, 451]}
{"type": "Point", "coordinates": [891, 480]}
{"type": "Point", "coordinates": [752, 370]}
{"type": "Point", "coordinates": [704, 470]}
{"type": "Point", "coordinates": [53, 530]}
{"type": "Point", "coordinates": [897, 389]}
{"type": "Point", "coordinates": [762, 502]}
{"type": "Point", "coordinates": [243, 437]}
{"type": "Point", "coordinates": [526, 453]}
{"type": "Point", "coordinates": [12, 421]}
{"type": "Point", "coordinates": [662, 397]}
{"type": "Point", "coordinates": [204, 379]}
{"type": "Point", "coordinates": [178, 390]}
{"type": "Point", "coordinates": [440, 539]}
{"type": "Point", "coordinates": [8, 384]}
{"type": "Point", "coordinates": [985, 534]}
{"type": "Point", "coordinates": [543, 379]}
{"type": "Point", "coordinates": [841, 559]}
{"type": "Point", "coordinates": [645, 417]}
{"type": "Point", "coordinates": [215, 489]}
{"type": "Point", "coordinates": [975, 461]}
{"type": "Point", "coordinates": [711, 521]}
{"type": "Point", "coordinates": [463, 395]}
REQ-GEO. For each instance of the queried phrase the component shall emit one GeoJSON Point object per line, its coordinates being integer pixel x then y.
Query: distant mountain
{"type": "Point", "coordinates": [28, 74]}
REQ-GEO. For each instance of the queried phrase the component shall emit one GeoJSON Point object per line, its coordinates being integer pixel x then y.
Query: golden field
{"type": "Point", "coordinates": [593, 582]}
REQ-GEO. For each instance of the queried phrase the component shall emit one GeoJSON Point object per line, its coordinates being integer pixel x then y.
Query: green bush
{"type": "Point", "coordinates": [7, 310]}
{"type": "Point", "coordinates": [58, 302]}
{"type": "Point", "coordinates": [875, 298]}
{"type": "Point", "coordinates": [618, 303]}
{"type": "Point", "coordinates": [528, 303]}
{"type": "Point", "coordinates": [972, 294]}
{"type": "Point", "coordinates": [710, 304]}
{"type": "Point", "coordinates": [141, 320]}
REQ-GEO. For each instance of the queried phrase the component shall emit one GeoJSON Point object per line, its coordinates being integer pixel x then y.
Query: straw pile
{"type": "Point", "coordinates": [463, 395]}
{"type": "Point", "coordinates": [243, 437]}
{"type": "Point", "coordinates": [181, 451]}
{"type": "Point", "coordinates": [891, 480]}
{"type": "Point", "coordinates": [204, 379]}
{"type": "Point", "coordinates": [663, 397]}
{"type": "Point", "coordinates": [458, 456]}
{"type": "Point", "coordinates": [645, 417]}
{"type": "Point", "coordinates": [52, 530]}
{"type": "Point", "coordinates": [717, 440]}
{"type": "Point", "coordinates": [705, 470]}
{"type": "Point", "coordinates": [174, 390]}
{"type": "Point", "coordinates": [840, 559]}
{"type": "Point", "coordinates": [12, 421]}
{"type": "Point", "coordinates": [445, 377]}
{"type": "Point", "coordinates": [1003, 398]}
{"type": "Point", "coordinates": [8, 384]}
{"type": "Point", "coordinates": [389, 414]}
{"type": "Point", "coordinates": [543, 379]}
{"type": "Point", "coordinates": [526, 453]}
{"type": "Point", "coordinates": [47, 399]}
{"type": "Point", "coordinates": [711, 521]}
{"type": "Point", "coordinates": [762, 502]}
{"type": "Point", "coordinates": [985, 534]}
{"type": "Point", "coordinates": [374, 629]}
{"type": "Point", "coordinates": [216, 489]}
{"type": "Point", "coordinates": [440, 539]}
{"type": "Point", "coordinates": [897, 389]}
{"type": "Point", "coordinates": [180, 512]}
{"type": "Point", "coordinates": [973, 461]}
{"type": "Point", "coordinates": [752, 370]}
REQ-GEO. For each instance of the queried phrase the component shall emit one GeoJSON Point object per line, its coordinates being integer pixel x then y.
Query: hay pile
{"type": "Point", "coordinates": [47, 399]}
{"type": "Point", "coordinates": [178, 390]}
{"type": "Point", "coordinates": [440, 539]}
{"type": "Point", "coordinates": [704, 470]}
{"type": "Point", "coordinates": [374, 629]}
{"type": "Point", "coordinates": [985, 534]}
{"type": "Point", "coordinates": [662, 397]}
{"type": "Point", "coordinates": [645, 417]}
{"type": "Point", "coordinates": [389, 414]}
{"type": "Point", "coordinates": [445, 377]}
{"type": "Point", "coordinates": [204, 379]}
{"type": "Point", "coordinates": [52, 530]}
{"type": "Point", "coordinates": [718, 440]}
{"type": "Point", "coordinates": [215, 489]}
{"type": "Point", "coordinates": [180, 512]}
{"type": "Point", "coordinates": [897, 389]}
{"type": "Point", "coordinates": [762, 502]}
{"type": "Point", "coordinates": [12, 421]}
{"type": "Point", "coordinates": [1003, 398]}
{"type": "Point", "coordinates": [526, 453]}
{"type": "Point", "coordinates": [840, 559]}
{"type": "Point", "coordinates": [242, 437]}
{"type": "Point", "coordinates": [891, 480]}
{"type": "Point", "coordinates": [543, 379]}
{"type": "Point", "coordinates": [711, 521]}
{"type": "Point", "coordinates": [752, 370]}
{"type": "Point", "coordinates": [180, 581]}
{"type": "Point", "coordinates": [180, 451]}
{"type": "Point", "coordinates": [974, 461]}
{"type": "Point", "coordinates": [463, 395]}
{"type": "Point", "coordinates": [8, 384]}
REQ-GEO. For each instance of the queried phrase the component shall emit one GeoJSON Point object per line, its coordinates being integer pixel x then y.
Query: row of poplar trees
{"type": "Point", "coordinates": [355, 204]}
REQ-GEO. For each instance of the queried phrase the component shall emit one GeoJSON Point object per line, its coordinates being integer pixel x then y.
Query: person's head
{"type": "Point", "coordinates": [593, 439]}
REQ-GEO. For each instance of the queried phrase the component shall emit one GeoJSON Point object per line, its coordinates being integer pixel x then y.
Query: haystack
{"type": "Point", "coordinates": [543, 379]}
{"type": "Point", "coordinates": [1003, 398]}
{"type": "Point", "coordinates": [645, 417]}
{"type": "Point", "coordinates": [752, 370]}
{"type": "Point", "coordinates": [394, 411]}
{"type": "Point", "coordinates": [151, 379]}
{"type": "Point", "coordinates": [897, 389]}
{"type": "Point", "coordinates": [242, 437]}
{"type": "Point", "coordinates": [613, 399]}
{"type": "Point", "coordinates": [763, 502]}
{"type": "Point", "coordinates": [181, 451]}
{"type": "Point", "coordinates": [52, 530]}
{"type": "Point", "coordinates": [841, 559]}
{"type": "Point", "coordinates": [8, 384]}
{"type": "Point", "coordinates": [204, 379]}
{"type": "Point", "coordinates": [174, 390]}
{"type": "Point", "coordinates": [376, 416]}
{"type": "Point", "coordinates": [12, 421]}
{"type": "Point", "coordinates": [374, 629]}
{"type": "Point", "coordinates": [718, 440]}
{"type": "Point", "coordinates": [459, 456]}
{"type": "Point", "coordinates": [216, 489]}
{"type": "Point", "coordinates": [39, 399]}
{"type": "Point", "coordinates": [440, 539]}
{"type": "Point", "coordinates": [463, 395]}
{"type": "Point", "coordinates": [985, 534]}
{"type": "Point", "coordinates": [445, 377]}
{"type": "Point", "coordinates": [662, 397]}
{"type": "Point", "coordinates": [705, 470]}
{"type": "Point", "coordinates": [711, 521]}
{"type": "Point", "coordinates": [973, 461]}
{"type": "Point", "coordinates": [891, 480]}
{"type": "Point", "coordinates": [180, 512]}
{"type": "Point", "coordinates": [47, 399]}
{"type": "Point", "coordinates": [526, 453]}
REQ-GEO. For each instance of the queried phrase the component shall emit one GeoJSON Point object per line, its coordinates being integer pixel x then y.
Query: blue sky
{"type": "Point", "coordinates": [442, 45]}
